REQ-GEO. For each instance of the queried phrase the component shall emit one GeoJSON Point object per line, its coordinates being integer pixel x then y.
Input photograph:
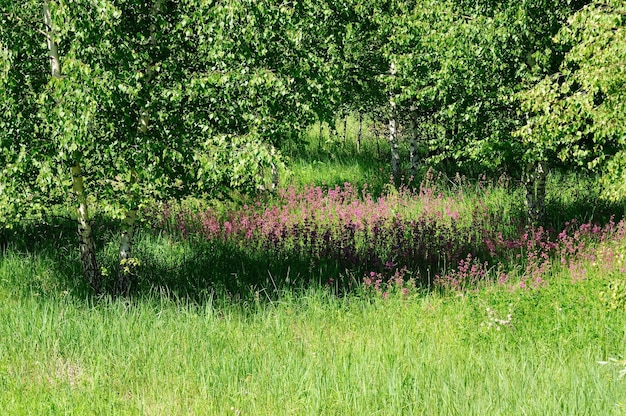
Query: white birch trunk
{"type": "Point", "coordinates": [413, 150]}
{"type": "Point", "coordinates": [86, 242]}
{"type": "Point", "coordinates": [345, 130]}
{"type": "Point", "coordinates": [320, 137]}
{"type": "Point", "coordinates": [53, 51]}
{"type": "Point", "coordinates": [395, 153]}
{"type": "Point", "coordinates": [274, 170]}
{"type": "Point", "coordinates": [535, 184]}
{"type": "Point", "coordinates": [126, 263]}
{"type": "Point", "coordinates": [359, 133]}
{"type": "Point", "coordinates": [274, 177]}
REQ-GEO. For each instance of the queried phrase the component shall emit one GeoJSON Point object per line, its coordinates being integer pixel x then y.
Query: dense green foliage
{"type": "Point", "coordinates": [222, 83]}
{"type": "Point", "coordinates": [214, 82]}
{"type": "Point", "coordinates": [579, 112]}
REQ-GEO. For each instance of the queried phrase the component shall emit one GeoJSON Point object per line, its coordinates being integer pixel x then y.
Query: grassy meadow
{"type": "Point", "coordinates": [335, 295]}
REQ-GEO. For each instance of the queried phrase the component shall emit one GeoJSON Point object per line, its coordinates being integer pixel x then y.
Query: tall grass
{"type": "Point", "coordinates": [497, 351]}
{"type": "Point", "coordinates": [322, 156]}
{"type": "Point", "coordinates": [336, 299]}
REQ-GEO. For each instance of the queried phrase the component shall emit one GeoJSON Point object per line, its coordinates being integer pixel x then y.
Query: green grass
{"type": "Point", "coordinates": [209, 332]}
{"type": "Point", "coordinates": [327, 159]}
{"type": "Point", "coordinates": [308, 352]}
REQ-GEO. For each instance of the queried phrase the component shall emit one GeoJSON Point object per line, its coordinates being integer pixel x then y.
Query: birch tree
{"type": "Point", "coordinates": [85, 236]}
{"type": "Point", "coordinates": [459, 66]}
{"type": "Point", "coordinates": [393, 131]}
{"type": "Point", "coordinates": [108, 105]}
{"type": "Point", "coordinates": [579, 111]}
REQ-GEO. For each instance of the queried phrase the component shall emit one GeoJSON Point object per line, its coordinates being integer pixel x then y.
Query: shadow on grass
{"type": "Point", "coordinates": [578, 196]}
{"type": "Point", "coordinates": [43, 259]}
{"type": "Point", "coordinates": [583, 211]}
{"type": "Point", "coordinates": [203, 269]}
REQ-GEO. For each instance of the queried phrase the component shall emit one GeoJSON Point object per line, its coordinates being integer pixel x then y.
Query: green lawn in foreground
{"type": "Point", "coordinates": [311, 353]}
{"type": "Point", "coordinates": [306, 352]}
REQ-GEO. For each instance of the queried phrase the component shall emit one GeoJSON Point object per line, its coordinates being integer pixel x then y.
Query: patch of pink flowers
{"type": "Point", "coordinates": [397, 284]}
{"type": "Point", "coordinates": [416, 233]}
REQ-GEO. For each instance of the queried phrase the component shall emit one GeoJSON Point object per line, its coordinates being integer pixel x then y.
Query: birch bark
{"type": "Point", "coordinates": [359, 133]}
{"type": "Point", "coordinates": [413, 149]}
{"type": "Point", "coordinates": [129, 224]}
{"type": "Point", "coordinates": [535, 184]}
{"type": "Point", "coordinates": [86, 242]}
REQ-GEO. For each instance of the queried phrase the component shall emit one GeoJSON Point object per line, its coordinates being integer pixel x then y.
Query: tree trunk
{"type": "Point", "coordinates": [377, 133]}
{"type": "Point", "coordinates": [359, 133]}
{"type": "Point", "coordinates": [413, 150]}
{"type": "Point", "coordinates": [275, 177]}
{"type": "Point", "coordinates": [395, 153]}
{"type": "Point", "coordinates": [53, 52]}
{"type": "Point", "coordinates": [535, 184]}
{"type": "Point", "coordinates": [320, 137]}
{"type": "Point", "coordinates": [126, 264]}
{"type": "Point", "coordinates": [86, 244]}
{"type": "Point", "coordinates": [345, 130]}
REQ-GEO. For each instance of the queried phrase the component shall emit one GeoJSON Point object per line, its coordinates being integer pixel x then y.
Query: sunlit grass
{"type": "Point", "coordinates": [497, 351]}
{"type": "Point", "coordinates": [218, 328]}
{"type": "Point", "coordinates": [328, 159]}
